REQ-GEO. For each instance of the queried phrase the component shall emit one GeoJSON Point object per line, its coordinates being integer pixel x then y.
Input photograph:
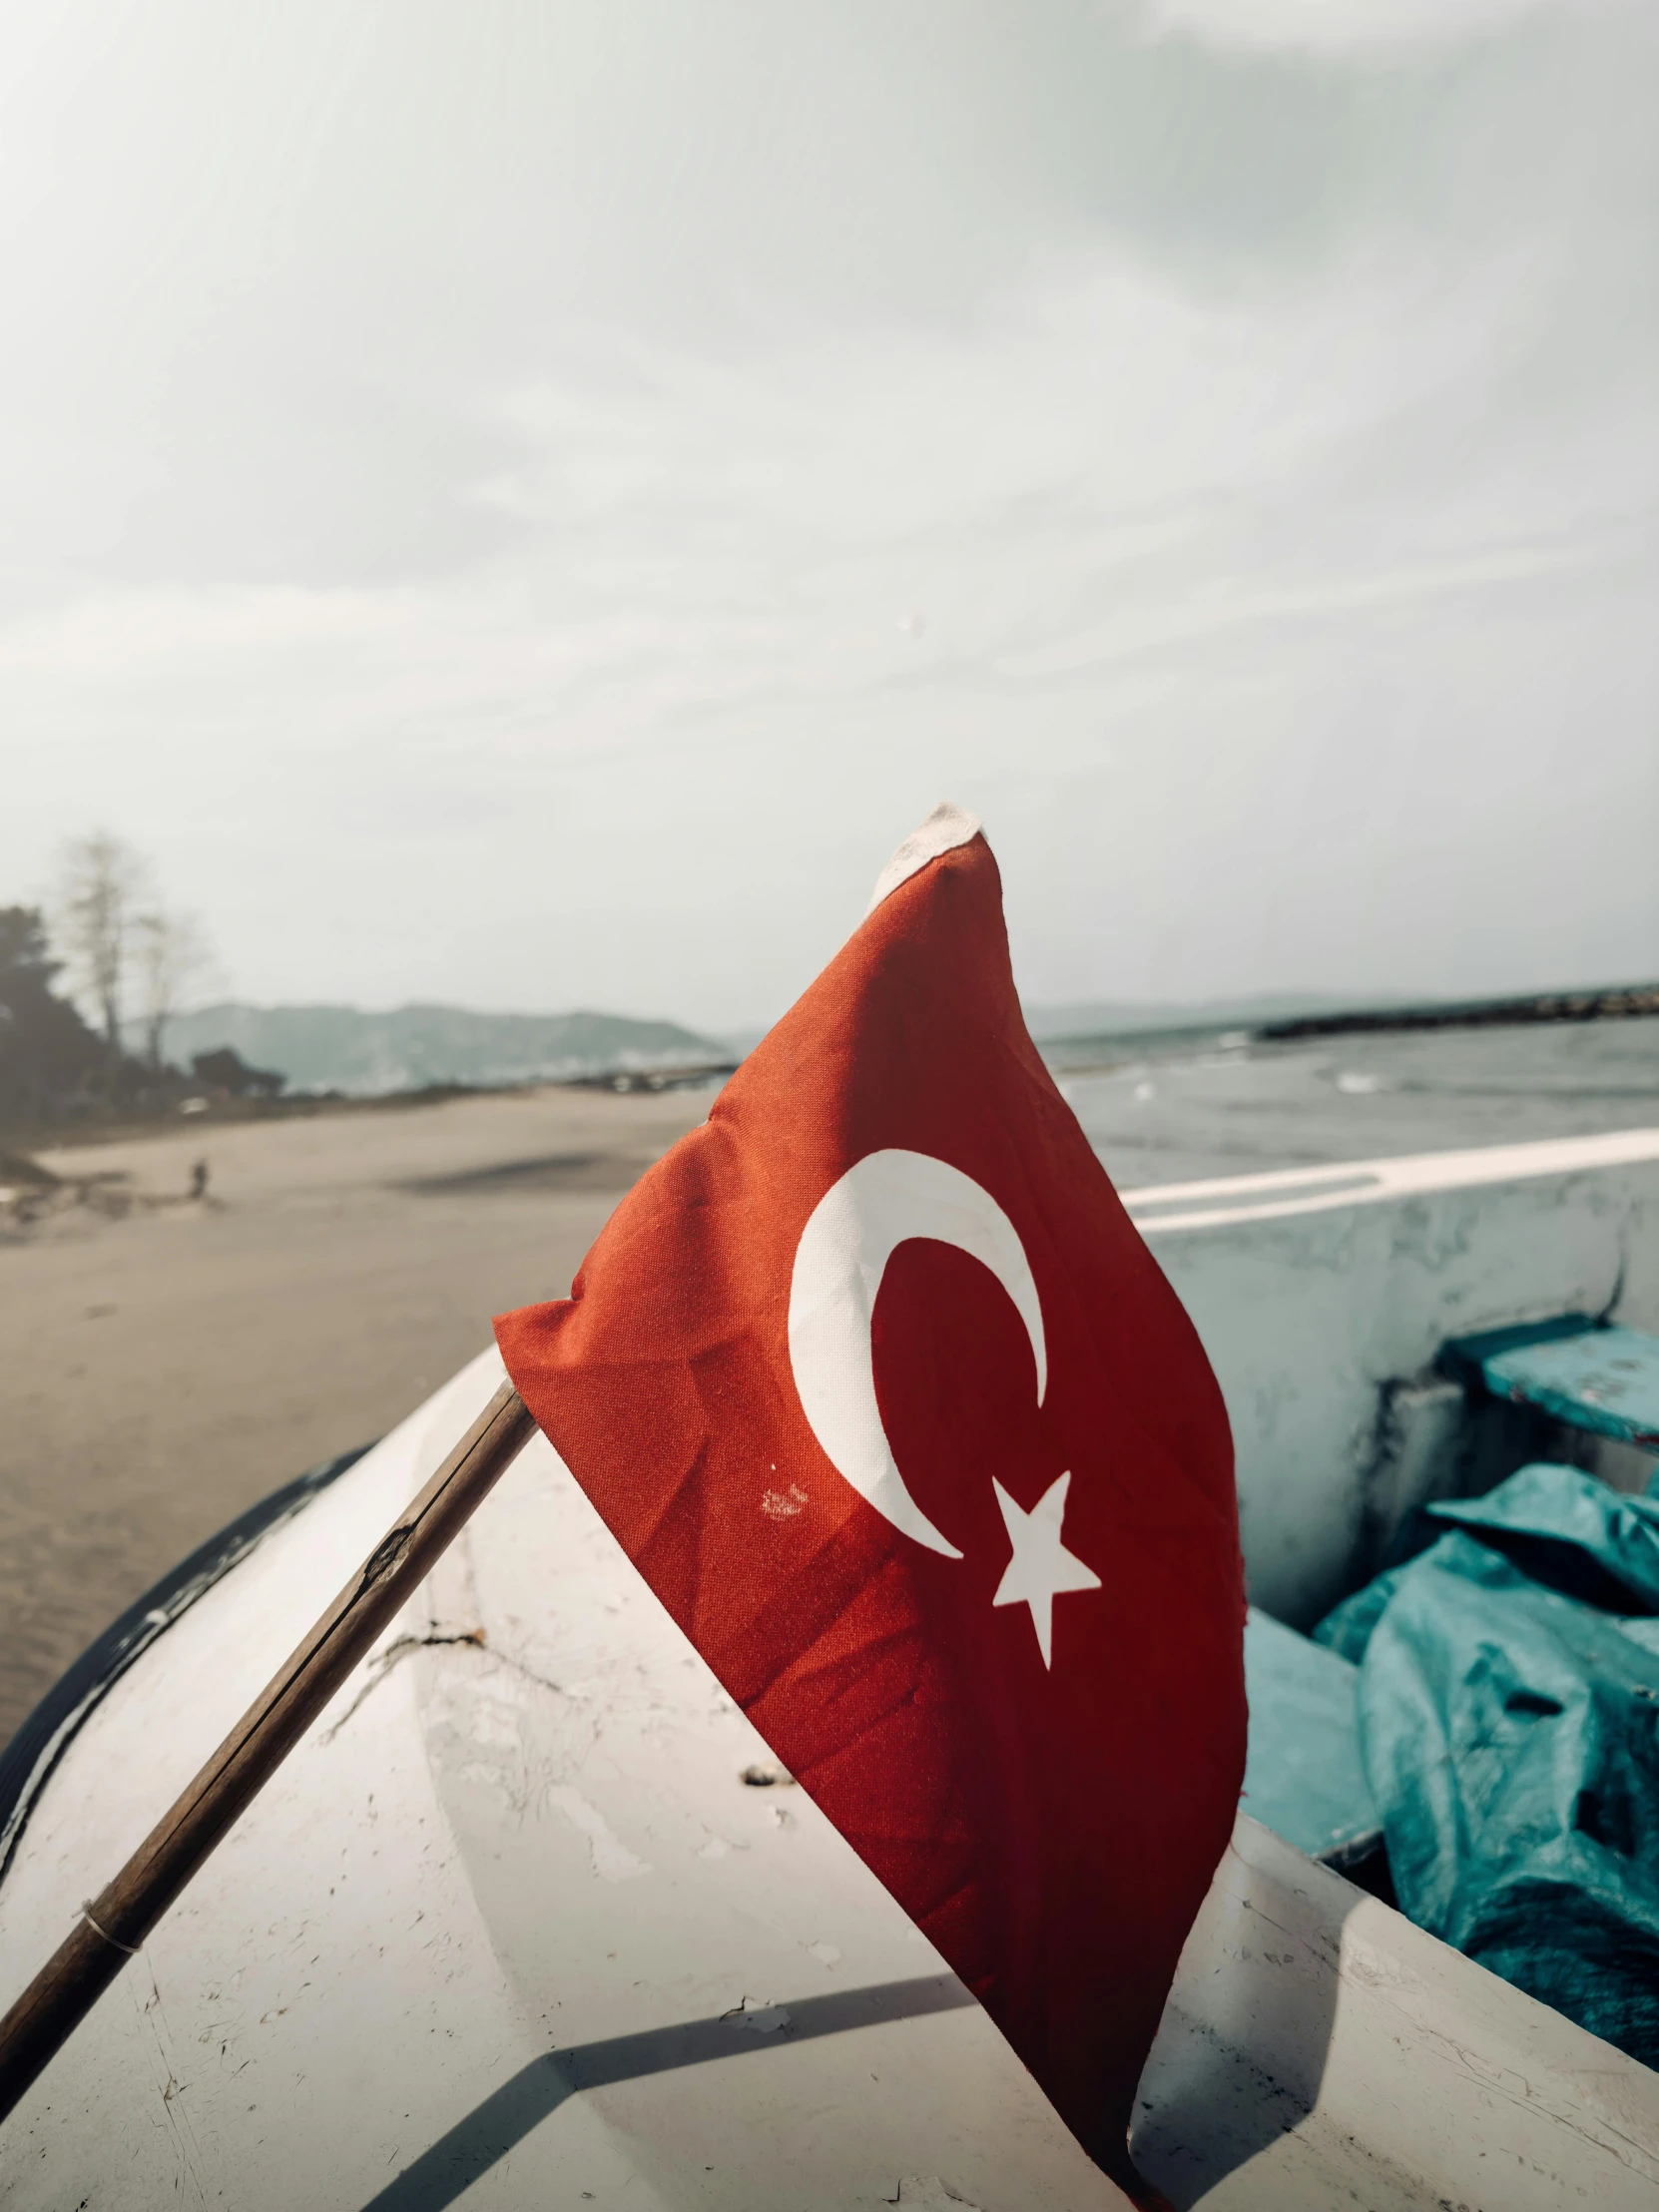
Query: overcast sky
{"type": "Point", "coordinates": [526, 501]}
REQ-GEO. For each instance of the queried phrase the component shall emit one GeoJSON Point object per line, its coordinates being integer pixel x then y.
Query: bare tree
{"type": "Point", "coordinates": [102, 880]}
{"type": "Point", "coordinates": [169, 952]}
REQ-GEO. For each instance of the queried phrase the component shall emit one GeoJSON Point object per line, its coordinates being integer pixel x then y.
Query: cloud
{"type": "Point", "coordinates": [1334, 29]}
{"type": "Point", "coordinates": [529, 509]}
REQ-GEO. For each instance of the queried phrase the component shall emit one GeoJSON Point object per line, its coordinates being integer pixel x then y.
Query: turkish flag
{"type": "Point", "coordinates": [880, 1390]}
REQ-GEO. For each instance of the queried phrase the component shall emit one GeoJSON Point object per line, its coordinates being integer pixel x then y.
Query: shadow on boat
{"type": "Point", "coordinates": [500, 2123]}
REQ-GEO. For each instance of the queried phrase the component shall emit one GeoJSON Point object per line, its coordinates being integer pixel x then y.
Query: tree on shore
{"type": "Point", "coordinates": [103, 879]}
{"type": "Point", "coordinates": [170, 951]}
{"type": "Point", "coordinates": [123, 946]}
{"type": "Point", "coordinates": [47, 1051]}
{"type": "Point", "coordinates": [121, 939]}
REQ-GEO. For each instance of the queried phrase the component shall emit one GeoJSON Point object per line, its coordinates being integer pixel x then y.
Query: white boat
{"type": "Point", "coordinates": [532, 1918]}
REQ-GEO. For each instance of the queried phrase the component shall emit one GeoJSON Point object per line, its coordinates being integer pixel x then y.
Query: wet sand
{"type": "Point", "coordinates": [163, 1370]}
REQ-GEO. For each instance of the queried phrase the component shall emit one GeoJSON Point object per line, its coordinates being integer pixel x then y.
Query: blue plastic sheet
{"type": "Point", "coordinates": [1509, 1729]}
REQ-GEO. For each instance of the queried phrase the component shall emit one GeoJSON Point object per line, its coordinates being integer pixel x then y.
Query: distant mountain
{"type": "Point", "coordinates": [341, 1048]}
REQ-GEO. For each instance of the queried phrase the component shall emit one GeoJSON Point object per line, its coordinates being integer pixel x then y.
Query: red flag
{"type": "Point", "coordinates": [883, 1394]}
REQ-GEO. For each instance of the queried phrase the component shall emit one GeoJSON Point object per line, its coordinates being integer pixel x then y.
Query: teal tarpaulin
{"type": "Point", "coordinates": [1509, 1728]}
{"type": "Point", "coordinates": [1303, 1778]}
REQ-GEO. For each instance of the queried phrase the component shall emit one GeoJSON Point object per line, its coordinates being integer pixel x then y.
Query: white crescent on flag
{"type": "Point", "coordinates": [879, 1204]}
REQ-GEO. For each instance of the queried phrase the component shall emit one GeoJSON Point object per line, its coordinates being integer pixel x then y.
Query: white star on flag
{"type": "Point", "coordinates": [1042, 1569]}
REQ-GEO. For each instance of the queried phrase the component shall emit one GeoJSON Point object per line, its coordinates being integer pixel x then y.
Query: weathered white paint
{"type": "Point", "coordinates": [325, 1977]}
{"type": "Point", "coordinates": [1314, 1291]}
{"type": "Point", "coordinates": [1318, 2050]}
{"type": "Point", "coordinates": [487, 1850]}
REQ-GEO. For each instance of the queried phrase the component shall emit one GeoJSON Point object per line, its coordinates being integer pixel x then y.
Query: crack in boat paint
{"type": "Point", "coordinates": [381, 1663]}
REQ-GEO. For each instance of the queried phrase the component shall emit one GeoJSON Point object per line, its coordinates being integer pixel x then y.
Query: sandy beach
{"type": "Point", "coordinates": [167, 1365]}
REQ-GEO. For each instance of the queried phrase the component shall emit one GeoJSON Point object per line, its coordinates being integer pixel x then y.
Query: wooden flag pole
{"type": "Point", "coordinates": [112, 1924]}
